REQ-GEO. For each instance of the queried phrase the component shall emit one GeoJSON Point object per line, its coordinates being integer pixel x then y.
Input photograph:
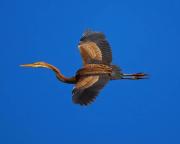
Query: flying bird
{"type": "Point", "coordinates": [97, 69]}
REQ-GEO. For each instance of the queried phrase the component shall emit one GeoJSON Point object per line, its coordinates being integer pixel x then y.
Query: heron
{"type": "Point", "coordinates": [97, 69]}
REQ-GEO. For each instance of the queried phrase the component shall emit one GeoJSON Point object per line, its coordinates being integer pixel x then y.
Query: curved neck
{"type": "Point", "coordinates": [59, 75]}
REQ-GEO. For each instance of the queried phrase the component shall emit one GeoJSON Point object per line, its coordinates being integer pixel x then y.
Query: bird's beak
{"type": "Point", "coordinates": [27, 65]}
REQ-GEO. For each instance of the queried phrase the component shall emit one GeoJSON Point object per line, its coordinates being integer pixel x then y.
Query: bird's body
{"type": "Point", "coordinates": [94, 69]}
{"type": "Point", "coordinates": [97, 69]}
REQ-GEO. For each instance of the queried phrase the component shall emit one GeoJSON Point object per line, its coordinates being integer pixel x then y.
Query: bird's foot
{"type": "Point", "coordinates": [135, 76]}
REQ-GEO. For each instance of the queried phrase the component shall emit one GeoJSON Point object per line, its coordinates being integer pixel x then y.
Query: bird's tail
{"type": "Point", "coordinates": [116, 72]}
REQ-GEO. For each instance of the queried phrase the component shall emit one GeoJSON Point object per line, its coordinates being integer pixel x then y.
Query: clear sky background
{"type": "Point", "coordinates": [35, 108]}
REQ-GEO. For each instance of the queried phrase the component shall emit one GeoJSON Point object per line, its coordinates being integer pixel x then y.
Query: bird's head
{"type": "Point", "coordinates": [36, 65]}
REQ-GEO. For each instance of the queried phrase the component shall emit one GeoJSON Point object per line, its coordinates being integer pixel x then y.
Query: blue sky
{"type": "Point", "coordinates": [36, 108]}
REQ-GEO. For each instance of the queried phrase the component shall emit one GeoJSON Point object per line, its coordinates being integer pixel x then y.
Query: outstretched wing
{"type": "Point", "coordinates": [94, 48]}
{"type": "Point", "coordinates": [87, 88]}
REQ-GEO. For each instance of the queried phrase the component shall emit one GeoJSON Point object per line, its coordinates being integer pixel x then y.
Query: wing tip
{"type": "Point", "coordinates": [87, 32]}
{"type": "Point", "coordinates": [83, 101]}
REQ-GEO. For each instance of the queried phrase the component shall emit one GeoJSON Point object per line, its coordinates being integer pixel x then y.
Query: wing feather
{"type": "Point", "coordinates": [88, 88]}
{"type": "Point", "coordinates": [94, 48]}
{"type": "Point", "coordinates": [90, 51]}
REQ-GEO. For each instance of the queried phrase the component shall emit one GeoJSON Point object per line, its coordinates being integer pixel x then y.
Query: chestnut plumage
{"type": "Point", "coordinates": [97, 69]}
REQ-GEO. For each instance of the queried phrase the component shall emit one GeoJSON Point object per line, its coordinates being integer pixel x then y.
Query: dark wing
{"type": "Point", "coordinates": [94, 48]}
{"type": "Point", "coordinates": [87, 88]}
